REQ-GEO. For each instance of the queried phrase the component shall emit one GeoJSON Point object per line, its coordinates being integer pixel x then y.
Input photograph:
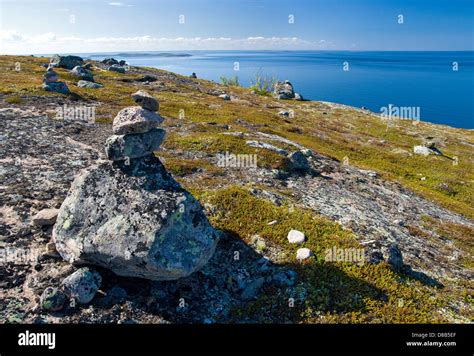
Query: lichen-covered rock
{"type": "Point", "coordinates": [135, 119]}
{"type": "Point", "coordinates": [52, 299]}
{"type": "Point", "coordinates": [298, 162]}
{"type": "Point", "coordinates": [145, 100]}
{"type": "Point", "coordinates": [82, 73]}
{"type": "Point", "coordinates": [50, 77]}
{"type": "Point", "coordinates": [135, 220]}
{"type": "Point", "coordinates": [88, 84]}
{"type": "Point", "coordinates": [82, 285]}
{"type": "Point", "coordinates": [117, 68]}
{"type": "Point", "coordinates": [284, 90]}
{"type": "Point", "coordinates": [68, 62]}
{"type": "Point", "coordinates": [45, 217]}
{"type": "Point", "coordinates": [58, 87]}
{"type": "Point", "coordinates": [122, 147]}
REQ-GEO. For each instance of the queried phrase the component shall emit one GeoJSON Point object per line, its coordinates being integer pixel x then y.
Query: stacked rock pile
{"type": "Point", "coordinates": [128, 214]}
{"type": "Point", "coordinates": [51, 83]}
{"type": "Point", "coordinates": [135, 129]}
{"type": "Point", "coordinates": [284, 90]}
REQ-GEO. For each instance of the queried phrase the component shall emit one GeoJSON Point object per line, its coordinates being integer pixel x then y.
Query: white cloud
{"type": "Point", "coordinates": [12, 42]}
{"type": "Point", "coordinates": [119, 4]}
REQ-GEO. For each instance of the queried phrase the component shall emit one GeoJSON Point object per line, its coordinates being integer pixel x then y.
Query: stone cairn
{"type": "Point", "coordinates": [135, 130]}
{"type": "Point", "coordinates": [51, 83]}
{"type": "Point", "coordinates": [128, 214]}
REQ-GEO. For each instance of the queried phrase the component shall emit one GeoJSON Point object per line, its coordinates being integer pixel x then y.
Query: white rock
{"type": "Point", "coordinates": [46, 217]}
{"type": "Point", "coordinates": [296, 237]}
{"type": "Point", "coordinates": [303, 253]}
{"type": "Point", "coordinates": [421, 150]}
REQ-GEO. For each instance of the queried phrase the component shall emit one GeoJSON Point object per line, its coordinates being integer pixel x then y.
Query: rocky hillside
{"type": "Point", "coordinates": [338, 221]}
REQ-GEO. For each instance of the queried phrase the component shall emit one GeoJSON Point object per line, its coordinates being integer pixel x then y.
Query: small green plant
{"type": "Point", "coordinates": [231, 81]}
{"type": "Point", "coordinates": [262, 84]}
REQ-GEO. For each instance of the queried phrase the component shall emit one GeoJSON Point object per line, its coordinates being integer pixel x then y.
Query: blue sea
{"type": "Point", "coordinates": [373, 79]}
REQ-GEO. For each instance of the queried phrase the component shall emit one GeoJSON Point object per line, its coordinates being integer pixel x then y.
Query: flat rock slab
{"type": "Point", "coordinates": [135, 119]}
{"type": "Point", "coordinates": [135, 220]}
{"type": "Point", "coordinates": [123, 147]}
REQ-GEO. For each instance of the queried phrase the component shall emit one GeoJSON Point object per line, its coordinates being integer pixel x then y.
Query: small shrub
{"type": "Point", "coordinates": [231, 81]}
{"type": "Point", "coordinates": [262, 84]}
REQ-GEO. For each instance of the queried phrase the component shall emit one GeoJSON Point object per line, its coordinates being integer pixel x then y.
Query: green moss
{"type": "Point", "coordinates": [333, 292]}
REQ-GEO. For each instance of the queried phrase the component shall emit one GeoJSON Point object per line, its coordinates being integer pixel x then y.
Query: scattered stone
{"type": "Point", "coordinates": [303, 253]}
{"type": "Point", "coordinates": [110, 61]}
{"type": "Point", "coordinates": [298, 162]}
{"type": "Point", "coordinates": [68, 62]}
{"type": "Point", "coordinates": [122, 147]}
{"type": "Point", "coordinates": [52, 299]}
{"type": "Point", "coordinates": [51, 250]}
{"type": "Point", "coordinates": [89, 85]}
{"type": "Point", "coordinates": [135, 120]}
{"type": "Point", "coordinates": [267, 146]}
{"type": "Point", "coordinates": [273, 222]}
{"type": "Point", "coordinates": [87, 66]}
{"type": "Point", "coordinates": [50, 77]}
{"type": "Point", "coordinates": [82, 285]}
{"type": "Point", "coordinates": [82, 73]}
{"type": "Point", "coordinates": [393, 256]}
{"type": "Point", "coordinates": [296, 237]}
{"type": "Point", "coordinates": [259, 243]}
{"type": "Point", "coordinates": [284, 90]}
{"type": "Point", "coordinates": [425, 151]}
{"type": "Point", "coordinates": [193, 75]}
{"type": "Point", "coordinates": [285, 113]}
{"type": "Point", "coordinates": [45, 217]}
{"type": "Point", "coordinates": [298, 96]}
{"type": "Point", "coordinates": [307, 152]}
{"type": "Point", "coordinates": [122, 62]}
{"type": "Point", "coordinates": [147, 78]}
{"type": "Point", "coordinates": [58, 87]}
{"type": "Point", "coordinates": [224, 96]}
{"type": "Point", "coordinates": [145, 100]}
{"type": "Point", "coordinates": [117, 68]}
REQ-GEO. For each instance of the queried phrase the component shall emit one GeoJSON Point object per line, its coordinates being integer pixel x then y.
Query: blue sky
{"type": "Point", "coordinates": [47, 26]}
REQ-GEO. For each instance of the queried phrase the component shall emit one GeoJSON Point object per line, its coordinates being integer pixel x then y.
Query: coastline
{"type": "Point", "coordinates": [362, 187]}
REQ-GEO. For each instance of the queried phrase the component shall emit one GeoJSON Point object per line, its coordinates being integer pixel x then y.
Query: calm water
{"type": "Point", "coordinates": [374, 79]}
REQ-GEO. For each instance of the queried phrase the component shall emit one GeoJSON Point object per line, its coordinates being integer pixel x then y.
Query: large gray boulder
{"type": "Point", "coordinates": [68, 62]}
{"type": "Point", "coordinates": [117, 68]}
{"type": "Point", "coordinates": [134, 219]}
{"type": "Point", "coordinates": [58, 87]}
{"type": "Point", "coordinates": [82, 73]}
{"type": "Point", "coordinates": [135, 119]}
{"type": "Point", "coordinates": [122, 147]}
